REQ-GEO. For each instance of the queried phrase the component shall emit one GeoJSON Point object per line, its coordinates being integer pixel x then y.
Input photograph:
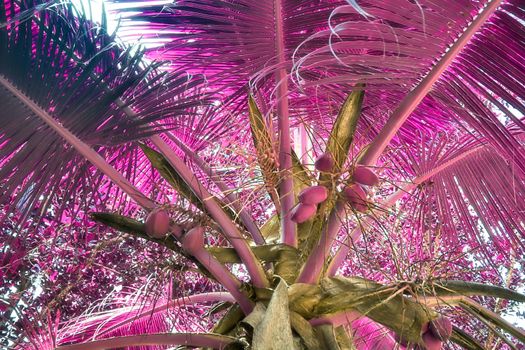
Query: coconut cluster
{"type": "Point", "coordinates": [158, 225]}
{"type": "Point", "coordinates": [354, 193]}
{"type": "Point", "coordinates": [309, 198]}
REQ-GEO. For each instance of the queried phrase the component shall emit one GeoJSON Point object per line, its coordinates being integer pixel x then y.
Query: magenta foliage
{"type": "Point", "coordinates": [371, 336]}
{"type": "Point", "coordinates": [456, 166]}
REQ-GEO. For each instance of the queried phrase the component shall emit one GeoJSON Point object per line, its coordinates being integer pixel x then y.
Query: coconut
{"type": "Point", "coordinates": [194, 239]}
{"type": "Point", "coordinates": [303, 212]}
{"type": "Point", "coordinates": [431, 342]}
{"type": "Point", "coordinates": [324, 163]}
{"type": "Point", "coordinates": [157, 223]}
{"type": "Point", "coordinates": [364, 176]}
{"type": "Point", "coordinates": [356, 197]}
{"type": "Point", "coordinates": [441, 328]}
{"type": "Point", "coordinates": [313, 195]}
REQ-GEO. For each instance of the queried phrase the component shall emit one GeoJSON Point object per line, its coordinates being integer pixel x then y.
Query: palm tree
{"type": "Point", "coordinates": [405, 232]}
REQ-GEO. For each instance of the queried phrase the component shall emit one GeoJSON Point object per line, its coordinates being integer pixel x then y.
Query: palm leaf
{"type": "Point", "coordinates": [465, 340]}
{"type": "Point", "coordinates": [344, 128]}
{"type": "Point", "coordinates": [472, 288]}
{"type": "Point", "coordinates": [141, 317]}
{"type": "Point", "coordinates": [490, 317]}
{"type": "Point", "coordinates": [75, 75]}
{"type": "Point", "coordinates": [481, 181]}
{"type": "Point", "coordinates": [191, 339]}
{"type": "Point", "coordinates": [390, 53]}
{"type": "Point", "coordinates": [338, 146]}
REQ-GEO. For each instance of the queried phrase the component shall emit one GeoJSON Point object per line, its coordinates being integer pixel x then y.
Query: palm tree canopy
{"type": "Point", "coordinates": [441, 92]}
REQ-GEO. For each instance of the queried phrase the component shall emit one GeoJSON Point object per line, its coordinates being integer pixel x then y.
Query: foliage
{"type": "Point", "coordinates": [424, 94]}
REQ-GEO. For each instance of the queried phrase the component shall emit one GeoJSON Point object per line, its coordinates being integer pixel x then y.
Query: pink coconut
{"type": "Point", "coordinates": [356, 197]}
{"type": "Point", "coordinates": [194, 239]}
{"type": "Point", "coordinates": [441, 328]}
{"type": "Point", "coordinates": [325, 162]}
{"type": "Point", "coordinates": [431, 343]}
{"type": "Point", "coordinates": [303, 212]}
{"type": "Point", "coordinates": [313, 195]}
{"type": "Point", "coordinates": [364, 176]}
{"type": "Point", "coordinates": [157, 223]}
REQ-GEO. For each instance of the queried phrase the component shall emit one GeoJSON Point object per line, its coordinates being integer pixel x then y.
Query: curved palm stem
{"type": "Point", "coordinates": [288, 228]}
{"type": "Point", "coordinates": [81, 147]}
{"type": "Point", "coordinates": [229, 197]}
{"type": "Point", "coordinates": [229, 229]}
{"type": "Point", "coordinates": [221, 273]}
{"type": "Point", "coordinates": [214, 341]}
{"type": "Point", "coordinates": [414, 97]}
{"type": "Point", "coordinates": [343, 250]}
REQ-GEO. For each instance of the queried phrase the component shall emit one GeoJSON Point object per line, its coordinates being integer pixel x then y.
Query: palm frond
{"type": "Point", "coordinates": [154, 316]}
{"type": "Point", "coordinates": [481, 196]}
{"type": "Point", "coordinates": [77, 73]}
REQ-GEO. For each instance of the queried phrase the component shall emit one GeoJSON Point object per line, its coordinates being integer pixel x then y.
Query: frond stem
{"type": "Point", "coordinates": [414, 97]}
{"type": "Point", "coordinates": [314, 265]}
{"type": "Point", "coordinates": [225, 277]}
{"type": "Point", "coordinates": [343, 250]}
{"type": "Point", "coordinates": [228, 227]}
{"type": "Point", "coordinates": [229, 197]}
{"type": "Point", "coordinates": [215, 341]}
{"type": "Point", "coordinates": [87, 152]}
{"type": "Point", "coordinates": [288, 229]}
